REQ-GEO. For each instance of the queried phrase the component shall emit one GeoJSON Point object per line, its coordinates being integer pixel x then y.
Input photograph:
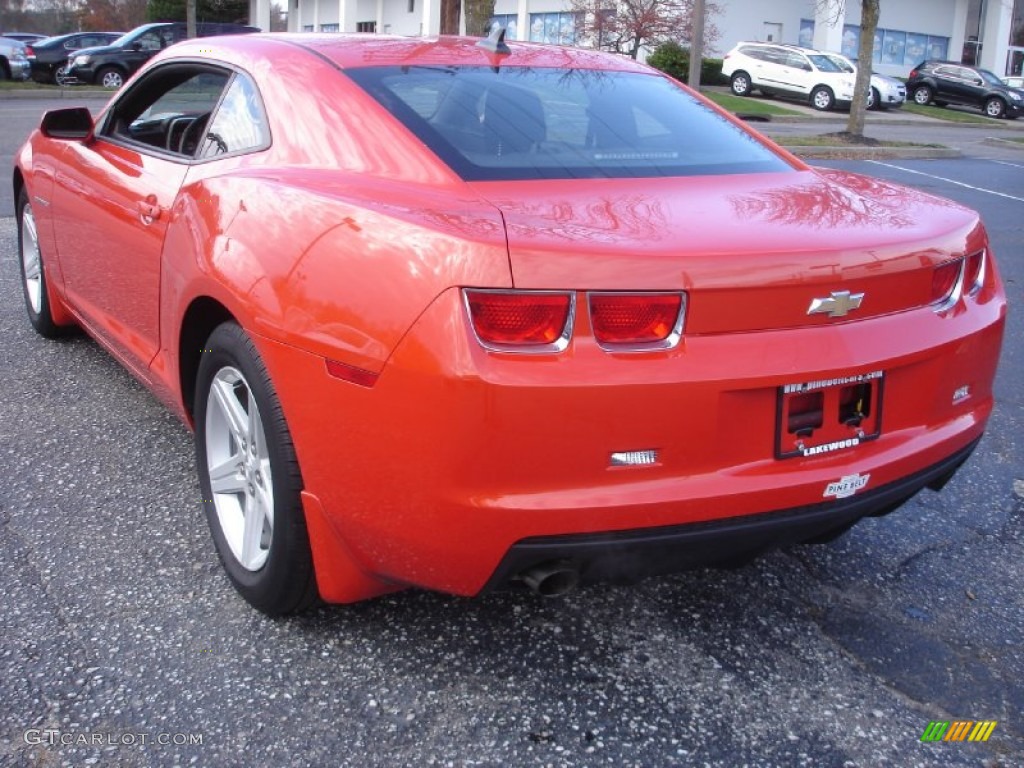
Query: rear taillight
{"type": "Point", "coordinates": [29, 53]}
{"type": "Point", "coordinates": [974, 273]}
{"type": "Point", "coordinates": [521, 321]}
{"type": "Point", "coordinates": [913, 74]}
{"type": "Point", "coordinates": [637, 320]}
{"type": "Point", "coordinates": [946, 284]}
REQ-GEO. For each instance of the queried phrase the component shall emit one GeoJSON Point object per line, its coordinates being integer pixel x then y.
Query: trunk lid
{"type": "Point", "coordinates": [752, 251]}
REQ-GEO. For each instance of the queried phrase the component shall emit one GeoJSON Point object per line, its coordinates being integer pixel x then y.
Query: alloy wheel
{"type": "Point", "coordinates": [31, 260]}
{"type": "Point", "coordinates": [238, 463]}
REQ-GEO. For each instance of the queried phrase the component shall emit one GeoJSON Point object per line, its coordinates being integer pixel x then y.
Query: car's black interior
{"type": "Point", "coordinates": [171, 111]}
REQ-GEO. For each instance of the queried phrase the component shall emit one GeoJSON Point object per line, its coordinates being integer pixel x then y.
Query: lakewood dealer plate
{"type": "Point", "coordinates": [819, 417]}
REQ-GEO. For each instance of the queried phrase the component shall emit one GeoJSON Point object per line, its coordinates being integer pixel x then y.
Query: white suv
{"type": "Point", "coordinates": [786, 70]}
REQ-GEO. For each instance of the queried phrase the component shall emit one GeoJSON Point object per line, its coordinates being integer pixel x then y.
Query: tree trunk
{"type": "Point", "coordinates": [696, 45]}
{"type": "Point", "coordinates": [865, 56]}
{"type": "Point", "coordinates": [450, 12]}
{"type": "Point", "coordinates": [478, 14]}
{"type": "Point", "coordinates": [190, 18]}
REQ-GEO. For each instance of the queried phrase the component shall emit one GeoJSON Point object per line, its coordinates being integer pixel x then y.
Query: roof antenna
{"type": "Point", "coordinates": [495, 42]}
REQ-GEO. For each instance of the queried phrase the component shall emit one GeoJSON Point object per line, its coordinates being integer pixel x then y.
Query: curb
{"type": "Point", "coordinates": [875, 153]}
{"type": "Point", "coordinates": [993, 141]}
{"type": "Point", "coordinates": [918, 121]}
{"type": "Point", "coordinates": [70, 94]}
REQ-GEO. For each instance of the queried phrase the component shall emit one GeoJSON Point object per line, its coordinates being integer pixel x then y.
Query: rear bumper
{"type": "Point", "coordinates": [20, 68]}
{"type": "Point", "coordinates": [455, 456]}
{"type": "Point", "coordinates": [626, 556]}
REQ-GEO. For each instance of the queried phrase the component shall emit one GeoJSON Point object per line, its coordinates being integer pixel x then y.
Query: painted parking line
{"type": "Point", "coordinates": [1004, 162]}
{"type": "Point", "coordinates": [948, 181]}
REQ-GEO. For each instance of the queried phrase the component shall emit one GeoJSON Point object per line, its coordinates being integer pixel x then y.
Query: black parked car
{"type": "Point", "coordinates": [49, 57]}
{"type": "Point", "coordinates": [946, 82]}
{"type": "Point", "coordinates": [112, 64]}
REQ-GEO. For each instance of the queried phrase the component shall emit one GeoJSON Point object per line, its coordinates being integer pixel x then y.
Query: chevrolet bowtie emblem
{"type": "Point", "coordinates": [836, 305]}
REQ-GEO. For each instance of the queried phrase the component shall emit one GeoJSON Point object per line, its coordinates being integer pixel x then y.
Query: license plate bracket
{"type": "Point", "coordinates": [815, 418]}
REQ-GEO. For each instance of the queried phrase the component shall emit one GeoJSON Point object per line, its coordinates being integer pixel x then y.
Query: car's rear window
{"type": "Point", "coordinates": [536, 123]}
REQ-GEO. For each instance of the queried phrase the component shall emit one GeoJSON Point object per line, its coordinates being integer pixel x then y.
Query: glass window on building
{"type": "Point", "coordinates": [330, 28]}
{"type": "Point", "coordinates": [806, 38]}
{"type": "Point", "coordinates": [893, 46]}
{"type": "Point", "coordinates": [559, 28]}
{"type": "Point", "coordinates": [916, 50]}
{"type": "Point", "coordinates": [507, 20]}
{"type": "Point", "coordinates": [851, 41]}
{"type": "Point", "coordinates": [938, 47]}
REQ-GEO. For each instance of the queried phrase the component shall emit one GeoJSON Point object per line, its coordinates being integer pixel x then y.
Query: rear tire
{"type": "Point", "coordinates": [922, 95]}
{"type": "Point", "coordinates": [60, 75]}
{"type": "Point", "coordinates": [250, 478]}
{"type": "Point", "coordinates": [740, 84]}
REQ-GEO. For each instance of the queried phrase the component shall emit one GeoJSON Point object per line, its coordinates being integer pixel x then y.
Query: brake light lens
{"type": "Point", "coordinates": [974, 273]}
{"type": "Point", "coordinates": [913, 74]}
{"type": "Point", "coordinates": [29, 53]}
{"type": "Point", "coordinates": [521, 321]}
{"type": "Point", "coordinates": [945, 281]}
{"type": "Point", "coordinates": [640, 320]}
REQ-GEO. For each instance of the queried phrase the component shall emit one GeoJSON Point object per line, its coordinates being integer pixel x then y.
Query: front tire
{"type": "Point", "coordinates": [874, 99]}
{"type": "Point", "coordinates": [60, 75]}
{"type": "Point", "coordinates": [34, 286]}
{"type": "Point", "coordinates": [822, 98]}
{"type": "Point", "coordinates": [110, 77]}
{"type": "Point", "coordinates": [740, 84]}
{"type": "Point", "coordinates": [995, 108]}
{"type": "Point", "coordinates": [249, 476]}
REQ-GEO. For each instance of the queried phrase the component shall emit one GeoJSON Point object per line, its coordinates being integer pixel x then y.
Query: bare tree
{"type": "Point", "coordinates": [834, 10]}
{"type": "Point", "coordinates": [629, 25]}
{"type": "Point", "coordinates": [869, 11]}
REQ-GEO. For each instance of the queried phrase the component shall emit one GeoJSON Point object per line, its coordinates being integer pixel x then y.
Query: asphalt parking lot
{"type": "Point", "coordinates": [118, 621]}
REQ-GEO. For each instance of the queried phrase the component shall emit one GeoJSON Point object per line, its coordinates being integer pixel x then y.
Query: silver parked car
{"type": "Point", "coordinates": [13, 64]}
{"type": "Point", "coordinates": [885, 91]}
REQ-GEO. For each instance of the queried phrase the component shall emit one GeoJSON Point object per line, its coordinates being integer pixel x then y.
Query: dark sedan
{"type": "Point", "coordinates": [49, 57]}
{"type": "Point", "coordinates": [946, 82]}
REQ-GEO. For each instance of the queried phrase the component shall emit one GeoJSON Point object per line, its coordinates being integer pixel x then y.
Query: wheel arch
{"type": "Point", "coordinates": [201, 317]}
{"type": "Point", "coordinates": [17, 182]}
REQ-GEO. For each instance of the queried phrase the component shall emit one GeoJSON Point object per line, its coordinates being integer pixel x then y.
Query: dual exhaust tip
{"type": "Point", "coordinates": [551, 579]}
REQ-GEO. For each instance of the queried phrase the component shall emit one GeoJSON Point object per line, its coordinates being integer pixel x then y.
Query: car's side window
{"type": "Point", "coordinates": [240, 123]}
{"type": "Point", "coordinates": [150, 41]}
{"type": "Point", "coordinates": [797, 61]}
{"type": "Point", "coordinates": [757, 52]}
{"type": "Point", "coordinates": [168, 110]}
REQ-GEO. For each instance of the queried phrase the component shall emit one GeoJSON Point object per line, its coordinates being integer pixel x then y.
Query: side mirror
{"type": "Point", "coordinates": [74, 123]}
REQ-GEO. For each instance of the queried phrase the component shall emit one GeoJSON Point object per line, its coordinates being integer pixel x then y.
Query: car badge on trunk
{"type": "Point", "coordinates": [836, 305]}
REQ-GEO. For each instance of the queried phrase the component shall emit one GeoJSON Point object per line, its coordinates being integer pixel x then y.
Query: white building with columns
{"type": "Point", "coordinates": [989, 33]}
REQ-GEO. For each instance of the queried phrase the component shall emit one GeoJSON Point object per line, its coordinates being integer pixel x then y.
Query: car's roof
{"type": "Point", "coordinates": [352, 51]}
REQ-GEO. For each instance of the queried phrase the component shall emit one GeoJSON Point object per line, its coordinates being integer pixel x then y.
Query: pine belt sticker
{"type": "Point", "coordinates": [846, 486]}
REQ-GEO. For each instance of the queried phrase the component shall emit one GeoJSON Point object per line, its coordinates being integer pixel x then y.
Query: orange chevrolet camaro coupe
{"type": "Point", "coordinates": [460, 315]}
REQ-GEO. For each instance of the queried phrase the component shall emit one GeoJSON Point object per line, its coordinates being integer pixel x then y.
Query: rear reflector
{"type": "Point", "coordinates": [346, 372]}
{"type": "Point", "coordinates": [974, 273]}
{"type": "Point", "coordinates": [521, 321]}
{"type": "Point", "coordinates": [945, 282]}
{"type": "Point", "coordinates": [641, 320]}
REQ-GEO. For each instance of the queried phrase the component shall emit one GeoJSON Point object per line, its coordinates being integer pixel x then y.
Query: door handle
{"type": "Point", "coordinates": [149, 211]}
